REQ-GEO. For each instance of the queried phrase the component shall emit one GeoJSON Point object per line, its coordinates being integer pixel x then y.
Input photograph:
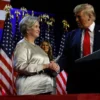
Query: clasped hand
{"type": "Point", "coordinates": [54, 66]}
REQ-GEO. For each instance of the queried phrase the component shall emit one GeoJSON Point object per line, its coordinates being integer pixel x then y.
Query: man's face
{"type": "Point", "coordinates": [82, 19]}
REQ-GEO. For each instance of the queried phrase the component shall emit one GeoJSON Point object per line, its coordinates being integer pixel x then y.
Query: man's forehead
{"type": "Point", "coordinates": [79, 13]}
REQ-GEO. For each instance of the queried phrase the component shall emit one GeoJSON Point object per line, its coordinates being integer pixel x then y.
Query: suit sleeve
{"type": "Point", "coordinates": [64, 59]}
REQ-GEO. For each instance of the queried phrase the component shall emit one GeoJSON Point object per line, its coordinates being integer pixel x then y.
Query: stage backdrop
{"type": "Point", "coordinates": [11, 35]}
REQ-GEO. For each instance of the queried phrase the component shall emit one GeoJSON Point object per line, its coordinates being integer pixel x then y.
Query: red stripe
{"type": "Point", "coordinates": [63, 78]}
{"type": "Point", "coordinates": [3, 92]}
{"type": "Point", "coordinates": [1, 24]}
{"type": "Point", "coordinates": [58, 93]}
{"type": "Point", "coordinates": [15, 74]}
{"type": "Point", "coordinates": [6, 76]}
{"type": "Point", "coordinates": [5, 88]}
{"type": "Point", "coordinates": [6, 63]}
{"type": "Point", "coordinates": [14, 91]}
{"type": "Point", "coordinates": [10, 69]}
{"type": "Point", "coordinates": [2, 4]}
{"type": "Point", "coordinates": [14, 86]}
{"type": "Point", "coordinates": [63, 91]}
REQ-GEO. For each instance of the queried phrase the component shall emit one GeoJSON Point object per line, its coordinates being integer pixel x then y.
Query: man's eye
{"type": "Point", "coordinates": [79, 16]}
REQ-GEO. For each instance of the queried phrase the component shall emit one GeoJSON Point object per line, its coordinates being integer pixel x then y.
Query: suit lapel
{"type": "Point", "coordinates": [96, 44]}
{"type": "Point", "coordinates": [79, 35]}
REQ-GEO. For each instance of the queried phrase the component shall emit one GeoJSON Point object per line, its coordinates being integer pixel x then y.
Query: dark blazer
{"type": "Point", "coordinates": [72, 50]}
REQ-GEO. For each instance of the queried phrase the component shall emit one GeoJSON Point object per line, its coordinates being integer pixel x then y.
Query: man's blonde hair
{"type": "Point", "coordinates": [87, 8]}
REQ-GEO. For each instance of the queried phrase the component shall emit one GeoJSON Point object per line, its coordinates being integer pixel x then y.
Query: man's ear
{"type": "Point", "coordinates": [90, 17]}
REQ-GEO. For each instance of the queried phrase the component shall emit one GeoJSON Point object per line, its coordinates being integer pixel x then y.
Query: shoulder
{"type": "Point", "coordinates": [21, 45]}
{"type": "Point", "coordinates": [73, 33]}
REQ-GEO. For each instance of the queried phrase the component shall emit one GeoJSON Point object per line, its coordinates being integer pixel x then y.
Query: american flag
{"type": "Point", "coordinates": [6, 51]}
{"type": "Point", "coordinates": [2, 91]}
{"type": "Point", "coordinates": [42, 31]}
{"type": "Point", "coordinates": [52, 41]}
{"type": "Point", "coordinates": [62, 44]}
{"type": "Point", "coordinates": [18, 36]}
{"type": "Point", "coordinates": [61, 79]}
{"type": "Point", "coordinates": [61, 82]}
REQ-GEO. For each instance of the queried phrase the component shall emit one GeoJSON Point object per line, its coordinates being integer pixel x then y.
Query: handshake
{"type": "Point", "coordinates": [53, 66]}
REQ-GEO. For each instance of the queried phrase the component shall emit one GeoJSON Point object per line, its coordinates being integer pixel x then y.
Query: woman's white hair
{"type": "Point", "coordinates": [26, 23]}
{"type": "Point", "coordinates": [87, 8]}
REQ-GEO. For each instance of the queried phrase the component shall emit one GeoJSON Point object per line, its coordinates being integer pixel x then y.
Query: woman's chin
{"type": "Point", "coordinates": [36, 36]}
{"type": "Point", "coordinates": [46, 51]}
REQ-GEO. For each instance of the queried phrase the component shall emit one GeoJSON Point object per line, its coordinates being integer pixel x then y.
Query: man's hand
{"type": "Point", "coordinates": [54, 66]}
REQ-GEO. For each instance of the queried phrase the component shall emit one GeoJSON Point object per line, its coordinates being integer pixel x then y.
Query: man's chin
{"type": "Point", "coordinates": [80, 26]}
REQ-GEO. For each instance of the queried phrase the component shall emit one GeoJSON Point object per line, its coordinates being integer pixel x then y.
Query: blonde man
{"type": "Point", "coordinates": [79, 43]}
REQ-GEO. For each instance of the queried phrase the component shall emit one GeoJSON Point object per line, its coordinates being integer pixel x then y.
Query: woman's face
{"type": "Point", "coordinates": [35, 30]}
{"type": "Point", "coordinates": [45, 46]}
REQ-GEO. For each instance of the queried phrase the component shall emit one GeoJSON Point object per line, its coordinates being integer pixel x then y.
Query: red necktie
{"type": "Point", "coordinates": [86, 43]}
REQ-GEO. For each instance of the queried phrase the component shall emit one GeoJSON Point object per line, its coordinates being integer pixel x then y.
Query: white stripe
{"type": "Point", "coordinates": [64, 75]}
{"type": "Point", "coordinates": [61, 82]}
{"type": "Point", "coordinates": [6, 70]}
{"type": "Point", "coordinates": [6, 57]}
{"type": "Point", "coordinates": [2, 15]}
{"type": "Point", "coordinates": [6, 0]}
{"type": "Point", "coordinates": [3, 79]}
{"type": "Point", "coordinates": [59, 89]}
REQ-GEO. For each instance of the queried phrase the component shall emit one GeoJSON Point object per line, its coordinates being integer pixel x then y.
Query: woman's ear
{"type": "Point", "coordinates": [27, 31]}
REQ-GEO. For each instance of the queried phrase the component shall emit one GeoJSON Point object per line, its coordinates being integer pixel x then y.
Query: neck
{"type": "Point", "coordinates": [30, 39]}
{"type": "Point", "coordinates": [90, 23]}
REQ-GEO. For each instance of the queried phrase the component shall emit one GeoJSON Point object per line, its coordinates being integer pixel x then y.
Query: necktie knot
{"type": "Point", "coordinates": [87, 30]}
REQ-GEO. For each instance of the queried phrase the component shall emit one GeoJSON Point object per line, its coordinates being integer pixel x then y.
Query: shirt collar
{"type": "Point", "coordinates": [91, 27]}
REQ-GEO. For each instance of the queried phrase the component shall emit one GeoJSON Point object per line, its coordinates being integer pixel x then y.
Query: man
{"type": "Point", "coordinates": [79, 43]}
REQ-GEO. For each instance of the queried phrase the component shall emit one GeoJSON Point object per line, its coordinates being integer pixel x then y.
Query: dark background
{"type": "Point", "coordinates": [63, 9]}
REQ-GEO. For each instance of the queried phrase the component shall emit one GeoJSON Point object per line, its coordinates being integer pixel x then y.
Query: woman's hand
{"type": "Point", "coordinates": [45, 66]}
{"type": "Point", "coordinates": [54, 66]}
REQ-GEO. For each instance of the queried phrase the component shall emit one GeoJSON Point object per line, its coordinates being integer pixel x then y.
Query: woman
{"type": "Point", "coordinates": [46, 46]}
{"type": "Point", "coordinates": [30, 61]}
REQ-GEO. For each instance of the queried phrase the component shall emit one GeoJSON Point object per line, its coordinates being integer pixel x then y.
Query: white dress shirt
{"type": "Point", "coordinates": [91, 33]}
{"type": "Point", "coordinates": [29, 58]}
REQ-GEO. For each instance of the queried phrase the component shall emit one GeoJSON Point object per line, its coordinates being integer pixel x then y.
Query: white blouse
{"type": "Point", "coordinates": [29, 58]}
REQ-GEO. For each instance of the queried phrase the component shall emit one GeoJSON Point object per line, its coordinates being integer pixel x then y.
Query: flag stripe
{"type": "Point", "coordinates": [5, 87]}
{"type": "Point", "coordinates": [64, 80]}
{"type": "Point", "coordinates": [60, 85]}
{"type": "Point", "coordinates": [61, 82]}
{"type": "Point", "coordinates": [2, 15]}
{"type": "Point", "coordinates": [6, 70]}
{"type": "Point", "coordinates": [8, 60]}
{"type": "Point", "coordinates": [65, 75]}
{"type": "Point", "coordinates": [4, 80]}
{"type": "Point", "coordinates": [6, 64]}
{"type": "Point", "coordinates": [58, 93]}
{"type": "Point", "coordinates": [5, 75]}
{"type": "Point", "coordinates": [59, 89]}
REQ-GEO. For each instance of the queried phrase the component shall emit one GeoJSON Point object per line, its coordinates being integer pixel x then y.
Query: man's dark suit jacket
{"type": "Point", "coordinates": [72, 51]}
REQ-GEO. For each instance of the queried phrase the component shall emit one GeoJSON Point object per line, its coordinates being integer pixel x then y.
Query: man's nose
{"type": "Point", "coordinates": [77, 19]}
